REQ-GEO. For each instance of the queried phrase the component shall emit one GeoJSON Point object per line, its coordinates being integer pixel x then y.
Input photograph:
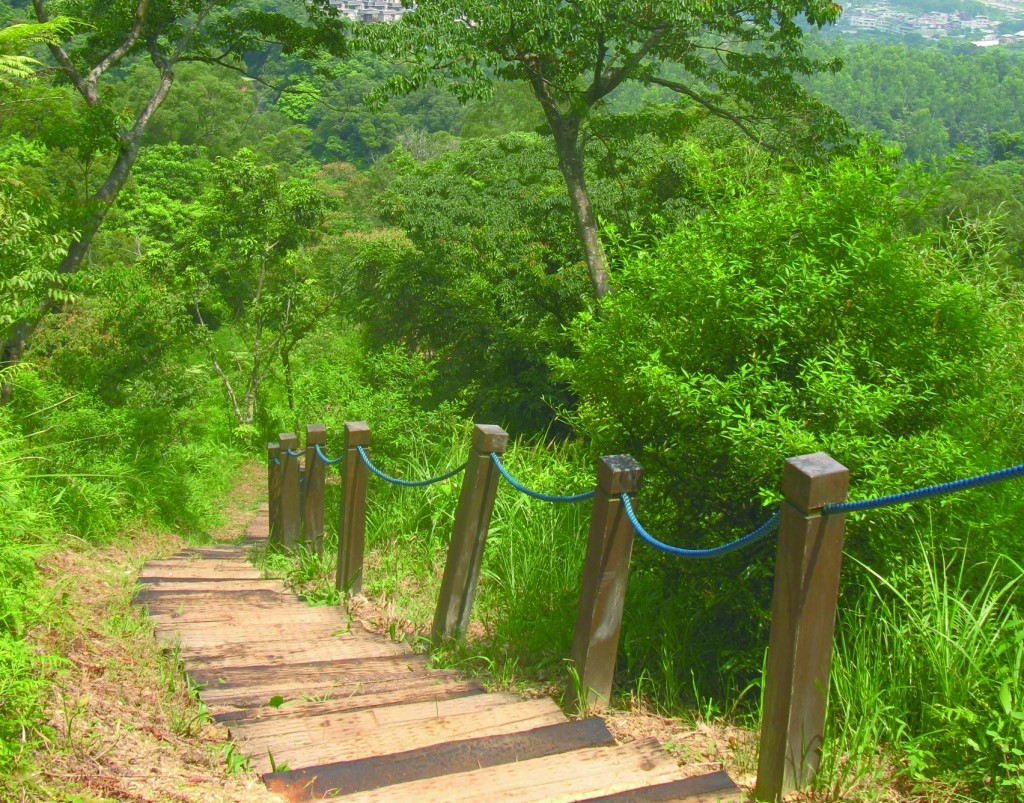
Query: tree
{"type": "Point", "coordinates": [738, 62]}
{"type": "Point", "coordinates": [168, 33]}
{"type": "Point", "coordinates": [243, 262]}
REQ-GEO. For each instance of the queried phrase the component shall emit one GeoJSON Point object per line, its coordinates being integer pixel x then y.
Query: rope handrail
{"type": "Point", "coordinates": [924, 493]}
{"type": "Point", "coordinates": [711, 552]}
{"type": "Point", "coordinates": [537, 494]}
{"type": "Point", "coordinates": [330, 461]}
{"type": "Point", "coordinates": [277, 462]}
{"type": "Point", "coordinates": [406, 483]}
{"type": "Point", "coordinates": [294, 454]}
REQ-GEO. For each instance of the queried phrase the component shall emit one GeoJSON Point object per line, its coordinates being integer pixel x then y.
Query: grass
{"type": "Point", "coordinates": [929, 663]}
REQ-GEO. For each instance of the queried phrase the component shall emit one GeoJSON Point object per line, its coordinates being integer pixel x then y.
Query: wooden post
{"type": "Point", "coordinates": [313, 488]}
{"type": "Point", "coordinates": [605, 574]}
{"type": "Point", "coordinates": [274, 492]}
{"type": "Point", "coordinates": [352, 521]}
{"type": "Point", "coordinates": [291, 533]}
{"type": "Point", "coordinates": [472, 519]}
{"type": "Point", "coordinates": [807, 565]}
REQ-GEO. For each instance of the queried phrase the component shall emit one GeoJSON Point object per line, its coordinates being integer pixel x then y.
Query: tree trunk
{"type": "Point", "coordinates": [289, 384]}
{"type": "Point", "coordinates": [567, 134]}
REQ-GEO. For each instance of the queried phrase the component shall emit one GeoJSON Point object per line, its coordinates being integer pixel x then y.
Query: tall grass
{"type": "Point", "coordinates": [928, 680]}
{"type": "Point", "coordinates": [76, 472]}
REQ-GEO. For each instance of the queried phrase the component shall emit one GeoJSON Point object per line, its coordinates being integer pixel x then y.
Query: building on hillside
{"type": "Point", "coordinates": [370, 10]}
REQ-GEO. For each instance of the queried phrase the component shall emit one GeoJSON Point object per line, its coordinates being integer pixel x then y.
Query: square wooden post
{"type": "Point", "coordinates": [291, 532]}
{"type": "Point", "coordinates": [274, 492]}
{"type": "Point", "coordinates": [352, 519]}
{"type": "Point", "coordinates": [807, 566]}
{"type": "Point", "coordinates": [313, 502]}
{"type": "Point", "coordinates": [472, 520]}
{"type": "Point", "coordinates": [605, 575]}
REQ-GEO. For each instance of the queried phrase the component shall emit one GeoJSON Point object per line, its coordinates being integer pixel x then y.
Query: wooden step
{"type": "Point", "coordinates": [298, 721]}
{"type": "Point", "coordinates": [331, 743]}
{"type": "Point", "coordinates": [348, 777]}
{"type": "Point", "coordinates": [255, 696]}
{"type": "Point", "coordinates": [295, 675]}
{"type": "Point", "coordinates": [710, 788]}
{"type": "Point", "coordinates": [256, 653]}
{"type": "Point", "coordinates": [559, 778]}
{"type": "Point", "coordinates": [437, 689]}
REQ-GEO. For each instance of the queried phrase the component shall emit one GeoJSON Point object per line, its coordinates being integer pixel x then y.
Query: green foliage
{"type": "Point", "coordinates": [929, 662]}
{"type": "Point", "coordinates": [914, 96]}
{"type": "Point", "coordinates": [485, 278]}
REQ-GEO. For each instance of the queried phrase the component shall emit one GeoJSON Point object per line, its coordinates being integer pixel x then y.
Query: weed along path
{"type": "Point", "coordinates": [321, 707]}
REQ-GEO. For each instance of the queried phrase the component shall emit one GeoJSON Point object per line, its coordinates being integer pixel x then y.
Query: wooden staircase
{"type": "Point", "coordinates": [324, 708]}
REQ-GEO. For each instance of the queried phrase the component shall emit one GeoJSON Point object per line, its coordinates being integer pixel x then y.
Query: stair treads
{"type": "Point", "coordinates": [308, 749]}
{"type": "Point", "coordinates": [215, 586]}
{"type": "Point", "coordinates": [713, 787]}
{"type": "Point", "coordinates": [559, 778]}
{"type": "Point", "coordinates": [347, 670]}
{"type": "Point", "coordinates": [328, 689]}
{"type": "Point", "coordinates": [254, 653]}
{"type": "Point", "coordinates": [435, 688]}
{"type": "Point", "coordinates": [347, 777]}
{"type": "Point", "coordinates": [299, 720]}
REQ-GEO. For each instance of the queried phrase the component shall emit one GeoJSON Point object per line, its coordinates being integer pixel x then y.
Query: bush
{"type": "Point", "coordinates": [798, 316]}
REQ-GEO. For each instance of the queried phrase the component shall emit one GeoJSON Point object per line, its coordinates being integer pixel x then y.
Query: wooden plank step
{"type": "Point", "coordinates": [715, 786]}
{"type": "Point", "coordinates": [308, 749]}
{"type": "Point", "coordinates": [329, 690]}
{"type": "Point", "coordinates": [298, 721]}
{"type": "Point", "coordinates": [438, 689]}
{"type": "Point", "coordinates": [291, 675]}
{"type": "Point", "coordinates": [265, 610]}
{"type": "Point", "coordinates": [557, 778]}
{"type": "Point", "coordinates": [168, 600]}
{"type": "Point", "coordinates": [200, 635]}
{"type": "Point", "coordinates": [218, 586]}
{"type": "Point", "coordinates": [348, 777]}
{"type": "Point", "coordinates": [257, 653]}
{"type": "Point", "coordinates": [194, 571]}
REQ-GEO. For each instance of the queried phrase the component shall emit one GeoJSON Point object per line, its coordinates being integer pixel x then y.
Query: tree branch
{"type": "Point", "coordinates": [714, 108]}
{"type": "Point", "coordinates": [119, 52]}
{"type": "Point", "coordinates": [87, 91]}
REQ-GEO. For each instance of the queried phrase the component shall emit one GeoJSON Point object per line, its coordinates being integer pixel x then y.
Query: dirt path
{"type": "Point", "coordinates": [123, 724]}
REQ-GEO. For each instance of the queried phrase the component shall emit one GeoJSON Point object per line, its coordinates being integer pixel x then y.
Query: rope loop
{"type": "Point", "coordinates": [277, 462]}
{"type": "Point", "coordinates": [697, 554]}
{"type": "Point", "coordinates": [924, 493]}
{"type": "Point", "coordinates": [537, 494]}
{"type": "Point", "coordinates": [406, 483]}
{"type": "Point", "coordinates": [329, 461]}
{"type": "Point", "coordinates": [294, 454]}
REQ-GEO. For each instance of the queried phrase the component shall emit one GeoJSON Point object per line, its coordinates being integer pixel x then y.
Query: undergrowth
{"type": "Point", "coordinates": [75, 472]}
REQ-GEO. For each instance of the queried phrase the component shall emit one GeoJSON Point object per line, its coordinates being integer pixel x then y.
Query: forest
{"type": "Point", "coordinates": [224, 220]}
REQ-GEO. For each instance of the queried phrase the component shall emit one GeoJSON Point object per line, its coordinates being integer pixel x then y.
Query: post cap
{"type": "Point", "coordinates": [273, 448]}
{"type": "Point", "coordinates": [316, 433]}
{"type": "Point", "coordinates": [489, 438]}
{"type": "Point", "coordinates": [357, 433]}
{"type": "Point", "coordinates": [619, 473]}
{"type": "Point", "coordinates": [812, 481]}
{"type": "Point", "coordinates": [288, 440]}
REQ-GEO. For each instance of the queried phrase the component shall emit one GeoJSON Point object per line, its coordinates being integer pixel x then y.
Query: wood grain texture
{"type": "Point", "coordinates": [554, 779]}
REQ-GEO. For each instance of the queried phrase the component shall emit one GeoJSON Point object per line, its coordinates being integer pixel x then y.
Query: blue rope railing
{"type": "Point", "coordinates": [294, 454]}
{"type": "Point", "coordinates": [711, 552]}
{"type": "Point", "coordinates": [277, 462]}
{"type": "Point", "coordinates": [537, 494]}
{"type": "Point", "coordinates": [406, 483]}
{"type": "Point", "coordinates": [924, 493]}
{"type": "Point", "coordinates": [330, 461]}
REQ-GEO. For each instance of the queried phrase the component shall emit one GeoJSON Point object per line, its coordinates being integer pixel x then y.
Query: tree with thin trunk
{"type": "Point", "coordinates": [737, 60]}
{"type": "Point", "coordinates": [165, 33]}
